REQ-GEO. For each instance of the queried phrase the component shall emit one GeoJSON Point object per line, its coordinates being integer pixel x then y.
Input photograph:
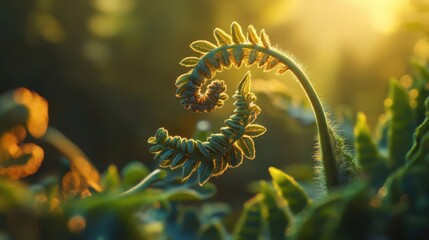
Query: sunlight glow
{"type": "Point", "coordinates": [114, 6]}
{"type": "Point", "coordinates": [49, 28]}
{"type": "Point", "coordinates": [105, 25]}
{"type": "Point", "coordinates": [382, 14]}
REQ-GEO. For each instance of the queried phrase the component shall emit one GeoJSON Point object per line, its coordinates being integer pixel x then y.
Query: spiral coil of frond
{"type": "Point", "coordinates": [221, 151]}
{"type": "Point", "coordinates": [236, 49]}
{"type": "Point", "coordinates": [230, 50]}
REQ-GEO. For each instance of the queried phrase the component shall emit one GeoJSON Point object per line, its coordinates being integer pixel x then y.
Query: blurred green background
{"type": "Point", "coordinates": [108, 67]}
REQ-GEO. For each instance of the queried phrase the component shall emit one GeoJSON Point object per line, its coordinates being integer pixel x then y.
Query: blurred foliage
{"type": "Point", "coordinates": [388, 201]}
{"type": "Point", "coordinates": [41, 211]}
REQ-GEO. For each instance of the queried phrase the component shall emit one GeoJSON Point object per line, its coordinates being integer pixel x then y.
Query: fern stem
{"type": "Point", "coordinates": [326, 148]}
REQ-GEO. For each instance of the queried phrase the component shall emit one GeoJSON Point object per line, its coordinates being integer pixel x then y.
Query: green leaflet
{"type": "Point", "coordinates": [265, 39]}
{"type": "Point", "coordinates": [276, 217]}
{"type": "Point", "coordinates": [204, 172]}
{"type": "Point", "coordinates": [222, 38]}
{"type": "Point", "coordinates": [238, 56]}
{"type": "Point", "coordinates": [254, 130]}
{"type": "Point", "coordinates": [237, 33]}
{"type": "Point", "coordinates": [289, 190]}
{"type": "Point", "coordinates": [247, 146]}
{"type": "Point", "coordinates": [189, 61]}
{"type": "Point", "coordinates": [202, 46]}
{"type": "Point", "coordinates": [400, 125]}
{"type": "Point", "coordinates": [250, 223]}
{"type": "Point", "coordinates": [252, 36]}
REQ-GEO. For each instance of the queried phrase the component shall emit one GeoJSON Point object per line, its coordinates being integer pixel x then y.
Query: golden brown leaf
{"type": "Point", "coordinates": [37, 121]}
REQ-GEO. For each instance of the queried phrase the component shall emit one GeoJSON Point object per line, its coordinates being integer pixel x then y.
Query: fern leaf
{"type": "Point", "coordinates": [282, 69]}
{"type": "Point", "coordinates": [247, 146]}
{"type": "Point", "coordinates": [220, 151]}
{"type": "Point", "coordinates": [204, 172]}
{"type": "Point", "coordinates": [225, 59]}
{"type": "Point", "coordinates": [265, 39]}
{"type": "Point", "coordinates": [214, 61]}
{"type": "Point", "coordinates": [263, 60]}
{"type": "Point", "coordinates": [238, 55]}
{"type": "Point", "coordinates": [235, 157]}
{"type": "Point", "coordinates": [220, 165]}
{"type": "Point", "coordinates": [178, 160]}
{"type": "Point", "coordinates": [202, 46]}
{"type": "Point", "coordinates": [254, 130]}
{"type": "Point", "coordinates": [253, 57]}
{"type": "Point", "coordinates": [237, 33]}
{"type": "Point", "coordinates": [252, 36]}
{"type": "Point", "coordinates": [189, 61]}
{"type": "Point", "coordinates": [222, 38]}
{"type": "Point", "coordinates": [271, 64]}
{"type": "Point", "coordinates": [202, 149]}
{"type": "Point", "coordinates": [245, 85]}
{"type": "Point", "coordinates": [188, 168]}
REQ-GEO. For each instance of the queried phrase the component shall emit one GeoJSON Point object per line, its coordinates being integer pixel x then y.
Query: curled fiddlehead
{"type": "Point", "coordinates": [223, 150]}
{"type": "Point", "coordinates": [230, 51]}
{"type": "Point", "coordinates": [235, 49]}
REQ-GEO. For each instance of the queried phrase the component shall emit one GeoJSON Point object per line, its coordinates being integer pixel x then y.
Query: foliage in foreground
{"type": "Point", "coordinates": [378, 191]}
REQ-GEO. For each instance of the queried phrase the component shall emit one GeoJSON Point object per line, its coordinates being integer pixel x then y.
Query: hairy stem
{"type": "Point", "coordinates": [327, 151]}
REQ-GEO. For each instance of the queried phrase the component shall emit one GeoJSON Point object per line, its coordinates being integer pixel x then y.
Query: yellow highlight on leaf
{"type": "Point", "coordinates": [18, 166]}
{"type": "Point", "coordinates": [81, 167]}
{"type": "Point", "coordinates": [37, 121]}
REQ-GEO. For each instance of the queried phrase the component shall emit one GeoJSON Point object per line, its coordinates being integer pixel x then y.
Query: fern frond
{"type": "Point", "coordinates": [228, 148]}
{"type": "Point", "coordinates": [234, 49]}
{"type": "Point", "coordinates": [221, 151]}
